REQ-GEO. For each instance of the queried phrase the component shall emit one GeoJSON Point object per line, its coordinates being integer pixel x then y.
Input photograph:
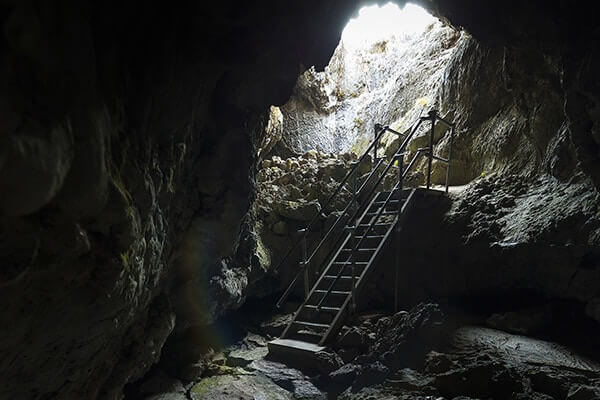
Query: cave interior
{"type": "Point", "coordinates": [179, 182]}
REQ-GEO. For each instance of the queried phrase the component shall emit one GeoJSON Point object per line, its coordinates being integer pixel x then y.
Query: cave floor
{"type": "Point", "coordinates": [474, 362]}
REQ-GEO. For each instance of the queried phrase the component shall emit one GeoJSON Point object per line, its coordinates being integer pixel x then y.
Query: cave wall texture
{"type": "Point", "coordinates": [128, 134]}
{"type": "Point", "coordinates": [335, 110]}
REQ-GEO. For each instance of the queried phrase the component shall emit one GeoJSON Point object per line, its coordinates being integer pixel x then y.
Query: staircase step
{"type": "Point", "coordinates": [361, 249]}
{"type": "Point", "coordinates": [374, 225]}
{"type": "Point", "coordinates": [336, 292]}
{"type": "Point", "coordinates": [305, 336]}
{"type": "Point", "coordinates": [324, 308]}
{"type": "Point", "coordinates": [361, 263]}
{"type": "Point", "coordinates": [311, 324]}
{"type": "Point", "coordinates": [372, 214]}
{"type": "Point", "coordinates": [383, 201]}
{"type": "Point", "coordinates": [369, 237]}
{"type": "Point", "coordinates": [338, 277]}
{"type": "Point", "coordinates": [291, 349]}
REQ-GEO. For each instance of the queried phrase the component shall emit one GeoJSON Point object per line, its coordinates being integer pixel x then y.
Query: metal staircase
{"type": "Point", "coordinates": [345, 254]}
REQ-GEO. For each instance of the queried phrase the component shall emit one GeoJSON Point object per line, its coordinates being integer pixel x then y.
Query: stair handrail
{"type": "Point", "coordinates": [378, 134]}
{"type": "Point", "coordinates": [398, 155]}
{"type": "Point", "coordinates": [414, 129]}
{"type": "Point", "coordinates": [380, 130]}
{"type": "Point", "coordinates": [381, 208]}
{"type": "Point", "coordinates": [307, 258]}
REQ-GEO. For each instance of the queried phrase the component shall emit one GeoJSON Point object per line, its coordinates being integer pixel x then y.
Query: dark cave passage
{"type": "Point", "coordinates": [158, 160]}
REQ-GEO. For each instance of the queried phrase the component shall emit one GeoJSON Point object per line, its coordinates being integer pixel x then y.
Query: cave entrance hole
{"type": "Point", "coordinates": [388, 69]}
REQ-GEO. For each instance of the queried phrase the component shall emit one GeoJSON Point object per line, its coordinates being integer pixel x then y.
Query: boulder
{"type": "Point", "coordinates": [352, 337]}
{"type": "Point", "coordinates": [370, 375]}
{"type": "Point", "coordinates": [240, 387]}
{"type": "Point", "coordinates": [582, 392]}
{"type": "Point", "coordinates": [244, 356]}
{"type": "Point", "coordinates": [326, 362]}
{"type": "Point", "coordinates": [438, 362]}
{"type": "Point", "coordinates": [525, 321]}
{"type": "Point", "coordinates": [298, 210]}
{"type": "Point", "coordinates": [288, 378]}
{"type": "Point", "coordinates": [348, 355]}
{"type": "Point", "coordinates": [342, 378]}
{"type": "Point", "coordinates": [406, 337]}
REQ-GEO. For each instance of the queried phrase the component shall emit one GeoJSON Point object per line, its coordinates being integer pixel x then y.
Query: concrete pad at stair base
{"type": "Point", "coordinates": [295, 353]}
{"type": "Point", "coordinates": [435, 190]}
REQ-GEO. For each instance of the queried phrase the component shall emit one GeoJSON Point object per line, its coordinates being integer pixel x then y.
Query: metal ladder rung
{"type": "Point", "coordinates": [308, 333]}
{"type": "Point", "coordinates": [324, 308]}
{"type": "Point", "coordinates": [372, 214]}
{"type": "Point", "coordinates": [369, 237]}
{"type": "Point", "coordinates": [383, 201]}
{"type": "Point", "coordinates": [338, 292]}
{"type": "Point", "coordinates": [362, 249]}
{"type": "Point", "coordinates": [374, 226]}
{"type": "Point", "coordinates": [311, 324]}
{"type": "Point", "coordinates": [368, 203]}
{"type": "Point", "coordinates": [338, 277]}
{"type": "Point", "coordinates": [350, 262]}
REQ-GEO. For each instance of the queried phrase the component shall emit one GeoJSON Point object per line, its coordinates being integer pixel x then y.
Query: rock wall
{"type": "Point", "coordinates": [500, 238]}
{"type": "Point", "coordinates": [506, 102]}
{"type": "Point", "coordinates": [128, 139]}
{"type": "Point", "coordinates": [127, 162]}
{"type": "Point", "coordinates": [387, 82]}
{"type": "Point", "coordinates": [516, 94]}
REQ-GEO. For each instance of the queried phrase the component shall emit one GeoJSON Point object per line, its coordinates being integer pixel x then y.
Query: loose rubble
{"type": "Point", "coordinates": [423, 353]}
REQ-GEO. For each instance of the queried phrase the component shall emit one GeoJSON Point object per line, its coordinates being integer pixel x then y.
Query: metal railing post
{"type": "Point", "coordinates": [350, 218]}
{"type": "Point", "coordinates": [397, 268]}
{"type": "Point", "coordinates": [304, 262]}
{"type": "Point", "coordinates": [355, 190]}
{"type": "Point", "coordinates": [449, 157]}
{"type": "Point", "coordinates": [353, 237]}
{"type": "Point", "coordinates": [400, 160]}
{"type": "Point", "coordinates": [432, 116]}
{"type": "Point", "coordinates": [353, 267]}
{"type": "Point", "coordinates": [397, 233]}
{"type": "Point", "coordinates": [376, 139]}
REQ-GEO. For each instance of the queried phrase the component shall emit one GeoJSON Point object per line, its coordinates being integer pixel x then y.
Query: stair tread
{"type": "Point", "coordinates": [382, 213]}
{"type": "Point", "coordinates": [350, 262]}
{"type": "Point", "coordinates": [337, 277]}
{"type": "Point", "coordinates": [380, 224]}
{"type": "Point", "coordinates": [303, 332]}
{"type": "Point", "coordinates": [325, 308]}
{"type": "Point", "coordinates": [369, 236]}
{"type": "Point", "coordinates": [360, 249]}
{"type": "Point", "coordinates": [299, 345]}
{"type": "Point", "coordinates": [311, 324]}
{"type": "Point", "coordinates": [332, 291]}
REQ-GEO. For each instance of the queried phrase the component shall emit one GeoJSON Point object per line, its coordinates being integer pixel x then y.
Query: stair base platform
{"type": "Point", "coordinates": [295, 353]}
{"type": "Point", "coordinates": [293, 347]}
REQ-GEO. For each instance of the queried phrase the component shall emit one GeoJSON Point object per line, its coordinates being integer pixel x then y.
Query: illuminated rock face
{"type": "Point", "coordinates": [389, 81]}
{"type": "Point", "coordinates": [127, 146]}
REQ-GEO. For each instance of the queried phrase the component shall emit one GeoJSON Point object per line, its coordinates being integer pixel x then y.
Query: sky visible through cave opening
{"type": "Point", "coordinates": [376, 23]}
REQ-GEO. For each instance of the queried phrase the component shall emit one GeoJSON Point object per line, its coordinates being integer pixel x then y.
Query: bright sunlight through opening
{"type": "Point", "coordinates": [376, 23]}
